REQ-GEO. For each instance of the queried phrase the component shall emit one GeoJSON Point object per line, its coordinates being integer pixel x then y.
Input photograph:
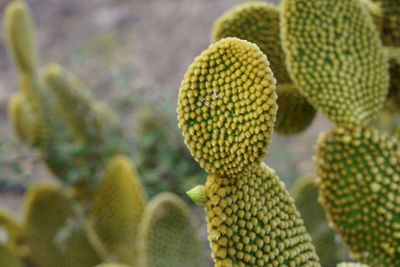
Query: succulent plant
{"type": "Point", "coordinates": [390, 31]}
{"type": "Point", "coordinates": [165, 236]}
{"type": "Point", "coordinates": [118, 206]}
{"type": "Point", "coordinates": [226, 110]}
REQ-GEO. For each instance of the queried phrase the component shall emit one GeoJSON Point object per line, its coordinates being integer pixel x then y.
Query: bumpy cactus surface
{"type": "Point", "coordinates": [330, 54]}
{"type": "Point", "coordinates": [359, 175]}
{"type": "Point", "coordinates": [118, 206]}
{"type": "Point", "coordinates": [251, 218]}
{"type": "Point", "coordinates": [47, 212]}
{"type": "Point", "coordinates": [227, 107]}
{"type": "Point", "coordinates": [297, 112]}
{"type": "Point", "coordinates": [20, 36]}
{"type": "Point", "coordinates": [305, 194]}
{"type": "Point", "coordinates": [166, 234]}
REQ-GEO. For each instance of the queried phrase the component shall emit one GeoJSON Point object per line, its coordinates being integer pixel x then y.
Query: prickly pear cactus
{"type": "Point", "coordinates": [330, 54]}
{"type": "Point", "coordinates": [118, 206]}
{"type": "Point", "coordinates": [112, 265]}
{"type": "Point", "coordinates": [390, 31]}
{"type": "Point", "coordinates": [345, 264]}
{"type": "Point", "coordinates": [47, 212]}
{"type": "Point", "coordinates": [359, 175]}
{"type": "Point", "coordinates": [166, 236]}
{"type": "Point", "coordinates": [226, 110]}
{"type": "Point", "coordinates": [297, 113]}
{"type": "Point", "coordinates": [393, 100]}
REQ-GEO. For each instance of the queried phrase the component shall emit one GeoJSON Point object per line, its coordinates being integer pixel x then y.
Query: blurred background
{"type": "Point", "coordinates": [132, 55]}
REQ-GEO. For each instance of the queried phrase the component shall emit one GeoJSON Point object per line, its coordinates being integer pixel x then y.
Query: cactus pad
{"type": "Point", "coordinates": [335, 58]}
{"type": "Point", "coordinates": [295, 114]}
{"type": "Point", "coordinates": [252, 221]}
{"type": "Point", "coordinates": [227, 107]}
{"type": "Point", "coordinates": [167, 236]}
{"type": "Point", "coordinates": [351, 264]}
{"type": "Point", "coordinates": [256, 22]}
{"type": "Point", "coordinates": [20, 36]}
{"type": "Point", "coordinates": [391, 21]}
{"type": "Point", "coordinates": [359, 175]}
{"type": "Point", "coordinates": [117, 208]}
{"type": "Point", "coordinates": [112, 265]}
{"type": "Point", "coordinates": [9, 258]}
{"type": "Point", "coordinates": [47, 211]}
{"type": "Point", "coordinates": [393, 102]}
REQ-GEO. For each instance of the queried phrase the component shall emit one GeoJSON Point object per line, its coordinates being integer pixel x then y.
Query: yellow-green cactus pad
{"type": "Point", "coordinates": [391, 21]}
{"type": "Point", "coordinates": [20, 36]}
{"type": "Point", "coordinates": [227, 107]}
{"type": "Point", "coordinates": [351, 264]}
{"type": "Point", "coordinates": [295, 114]}
{"type": "Point", "coordinates": [393, 102]}
{"type": "Point", "coordinates": [47, 212]}
{"type": "Point", "coordinates": [335, 58]}
{"type": "Point", "coordinates": [10, 230]}
{"type": "Point", "coordinates": [256, 22]}
{"type": "Point", "coordinates": [75, 105]}
{"type": "Point", "coordinates": [375, 11]}
{"type": "Point", "coordinates": [359, 175]}
{"type": "Point", "coordinates": [9, 257]}
{"type": "Point", "coordinates": [118, 206]}
{"type": "Point", "coordinates": [23, 118]}
{"type": "Point", "coordinates": [167, 236]}
{"type": "Point", "coordinates": [252, 221]}
{"type": "Point", "coordinates": [305, 194]}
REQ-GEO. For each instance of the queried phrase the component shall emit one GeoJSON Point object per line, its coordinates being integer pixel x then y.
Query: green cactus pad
{"type": "Point", "coordinates": [23, 118]}
{"type": "Point", "coordinates": [20, 36]}
{"type": "Point", "coordinates": [335, 58]}
{"type": "Point", "coordinates": [252, 221]}
{"type": "Point", "coordinates": [73, 101]}
{"type": "Point", "coordinates": [227, 107]}
{"type": "Point", "coordinates": [9, 258]}
{"type": "Point", "coordinates": [10, 230]}
{"type": "Point", "coordinates": [256, 22]}
{"type": "Point", "coordinates": [391, 21]}
{"type": "Point", "coordinates": [305, 194]}
{"type": "Point", "coordinates": [112, 265]}
{"type": "Point", "coordinates": [359, 175]}
{"type": "Point", "coordinates": [295, 114]}
{"type": "Point", "coordinates": [47, 212]}
{"type": "Point", "coordinates": [117, 208]}
{"type": "Point", "coordinates": [167, 236]}
{"type": "Point", "coordinates": [351, 264]}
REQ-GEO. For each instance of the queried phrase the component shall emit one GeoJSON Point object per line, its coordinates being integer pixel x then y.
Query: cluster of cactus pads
{"type": "Point", "coordinates": [82, 221]}
{"type": "Point", "coordinates": [339, 57]}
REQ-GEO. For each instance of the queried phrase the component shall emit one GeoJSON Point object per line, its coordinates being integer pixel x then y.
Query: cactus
{"type": "Point", "coordinates": [47, 211]}
{"type": "Point", "coordinates": [358, 171]}
{"type": "Point", "coordinates": [259, 22]}
{"type": "Point", "coordinates": [330, 54]}
{"type": "Point", "coordinates": [10, 230]}
{"type": "Point", "coordinates": [165, 236]}
{"type": "Point", "coordinates": [297, 113]}
{"type": "Point", "coordinates": [9, 258]}
{"type": "Point", "coordinates": [226, 110]}
{"type": "Point", "coordinates": [390, 31]}
{"type": "Point", "coordinates": [305, 194]}
{"type": "Point", "coordinates": [112, 265]}
{"type": "Point", "coordinates": [393, 101]}
{"type": "Point", "coordinates": [118, 205]}
{"type": "Point", "coordinates": [20, 36]}
{"type": "Point", "coordinates": [345, 264]}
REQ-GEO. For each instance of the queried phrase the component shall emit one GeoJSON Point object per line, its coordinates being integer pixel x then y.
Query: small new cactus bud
{"type": "Point", "coordinates": [20, 36]}
{"type": "Point", "coordinates": [198, 194]}
{"type": "Point", "coordinates": [335, 59]}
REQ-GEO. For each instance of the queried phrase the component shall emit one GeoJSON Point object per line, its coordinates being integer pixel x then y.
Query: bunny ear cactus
{"type": "Point", "coordinates": [47, 212]}
{"type": "Point", "coordinates": [20, 36]}
{"type": "Point", "coordinates": [335, 58]}
{"type": "Point", "coordinates": [118, 206]}
{"type": "Point", "coordinates": [359, 175]}
{"type": "Point", "coordinates": [226, 111]}
{"type": "Point", "coordinates": [167, 236]}
{"type": "Point", "coordinates": [297, 113]}
{"type": "Point", "coordinates": [393, 101]}
{"type": "Point", "coordinates": [259, 22]}
{"type": "Point", "coordinates": [305, 194]}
